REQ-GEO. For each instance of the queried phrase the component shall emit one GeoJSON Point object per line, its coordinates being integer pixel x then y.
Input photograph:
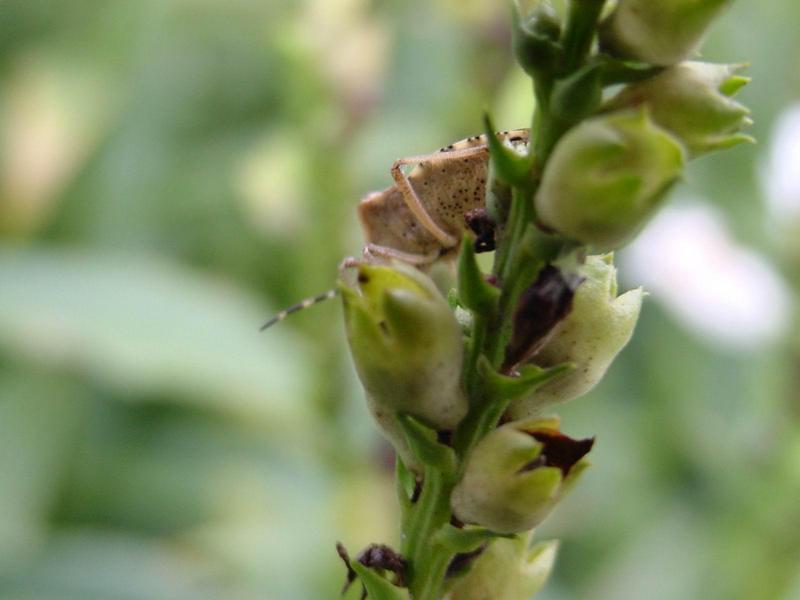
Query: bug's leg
{"type": "Point", "coordinates": [374, 250]}
{"type": "Point", "coordinates": [373, 253]}
{"type": "Point", "coordinates": [349, 262]}
{"type": "Point", "coordinates": [412, 199]}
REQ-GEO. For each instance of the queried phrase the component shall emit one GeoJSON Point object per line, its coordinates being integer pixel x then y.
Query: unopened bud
{"type": "Point", "coordinates": [508, 569]}
{"type": "Point", "coordinates": [659, 32]}
{"type": "Point", "coordinates": [693, 100]}
{"type": "Point", "coordinates": [406, 344]}
{"type": "Point", "coordinates": [606, 177]}
{"type": "Point", "coordinates": [590, 337]}
{"type": "Point", "coordinates": [535, 32]}
{"type": "Point", "coordinates": [517, 474]}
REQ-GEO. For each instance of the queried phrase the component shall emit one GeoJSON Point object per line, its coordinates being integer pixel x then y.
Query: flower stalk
{"type": "Point", "coordinates": [460, 399]}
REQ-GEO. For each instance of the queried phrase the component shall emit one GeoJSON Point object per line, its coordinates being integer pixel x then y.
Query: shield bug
{"type": "Point", "coordinates": [420, 218]}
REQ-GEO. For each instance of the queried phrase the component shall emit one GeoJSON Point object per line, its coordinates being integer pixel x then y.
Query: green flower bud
{"type": "Point", "coordinates": [659, 32]}
{"type": "Point", "coordinates": [535, 32]}
{"type": "Point", "coordinates": [517, 474]}
{"type": "Point", "coordinates": [509, 569]}
{"type": "Point", "coordinates": [598, 327]}
{"type": "Point", "coordinates": [606, 177]}
{"type": "Point", "coordinates": [694, 101]}
{"type": "Point", "coordinates": [406, 344]}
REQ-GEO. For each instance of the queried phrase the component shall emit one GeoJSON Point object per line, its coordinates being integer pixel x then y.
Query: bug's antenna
{"type": "Point", "coordinates": [308, 302]}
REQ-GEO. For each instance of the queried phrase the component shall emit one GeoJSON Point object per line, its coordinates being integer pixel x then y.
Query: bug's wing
{"type": "Point", "coordinates": [387, 221]}
{"type": "Point", "coordinates": [449, 187]}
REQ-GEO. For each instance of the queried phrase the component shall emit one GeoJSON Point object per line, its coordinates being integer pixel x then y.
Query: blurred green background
{"type": "Point", "coordinates": [172, 172]}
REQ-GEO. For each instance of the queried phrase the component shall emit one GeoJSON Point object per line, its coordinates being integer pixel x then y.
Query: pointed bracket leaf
{"type": "Point", "coordinates": [474, 291]}
{"type": "Point", "coordinates": [423, 443]}
{"type": "Point", "coordinates": [617, 71]}
{"type": "Point", "coordinates": [509, 166]}
{"type": "Point", "coordinates": [466, 539]}
{"type": "Point", "coordinates": [504, 388]}
{"type": "Point", "coordinates": [405, 482]}
{"type": "Point", "coordinates": [377, 586]}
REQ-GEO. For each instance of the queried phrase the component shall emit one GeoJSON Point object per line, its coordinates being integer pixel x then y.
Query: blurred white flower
{"type": "Point", "coordinates": [781, 176]}
{"type": "Point", "coordinates": [269, 181]}
{"type": "Point", "coordinates": [51, 116]}
{"type": "Point", "coordinates": [351, 46]}
{"type": "Point", "coordinates": [723, 292]}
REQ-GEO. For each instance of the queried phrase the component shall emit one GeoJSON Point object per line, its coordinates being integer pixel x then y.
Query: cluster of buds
{"type": "Point", "coordinates": [409, 348]}
{"type": "Point", "coordinates": [610, 173]}
{"type": "Point", "coordinates": [458, 380]}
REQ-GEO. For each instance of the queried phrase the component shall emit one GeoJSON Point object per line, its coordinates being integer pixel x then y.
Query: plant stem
{"type": "Point", "coordinates": [480, 327]}
{"type": "Point", "coordinates": [427, 561]}
{"type": "Point", "coordinates": [579, 34]}
{"type": "Point", "coordinates": [515, 269]}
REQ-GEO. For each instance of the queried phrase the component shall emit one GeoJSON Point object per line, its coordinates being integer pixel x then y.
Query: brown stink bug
{"type": "Point", "coordinates": [421, 218]}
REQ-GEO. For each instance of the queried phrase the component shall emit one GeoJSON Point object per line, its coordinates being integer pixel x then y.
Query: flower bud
{"type": "Point", "coordinates": [509, 569]}
{"type": "Point", "coordinates": [406, 344]}
{"type": "Point", "coordinates": [516, 475]}
{"type": "Point", "coordinates": [694, 101]}
{"type": "Point", "coordinates": [659, 32]}
{"type": "Point", "coordinates": [535, 31]}
{"type": "Point", "coordinates": [598, 327]}
{"type": "Point", "coordinates": [606, 177]}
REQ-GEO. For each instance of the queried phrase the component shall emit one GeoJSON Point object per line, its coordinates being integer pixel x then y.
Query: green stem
{"type": "Point", "coordinates": [512, 284]}
{"type": "Point", "coordinates": [427, 561]}
{"type": "Point", "coordinates": [579, 32]}
{"type": "Point", "coordinates": [431, 582]}
{"type": "Point", "coordinates": [480, 327]}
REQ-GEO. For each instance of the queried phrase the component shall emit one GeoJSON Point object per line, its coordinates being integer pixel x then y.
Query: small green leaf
{"type": "Point", "coordinates": [466, 539]}
{"type": "Point", "coordinates": [537, 248]}
{"type": "Point", "coordinates": [616, 71]}
{"type": "Point", "coordinates": [377, 586]}
{"type": "Point", "coordinates": [502, 387]}
{"type": "Point", "coordinates": [474, 291]}
{"type": "Point", "coordinates": [509, 166]}
{"type": "Point", "coordinates": [422, 441]}
{"type": "Point", "coordinates": [405, 482]}
{"type": "Point", "coordinates": [732, 85]}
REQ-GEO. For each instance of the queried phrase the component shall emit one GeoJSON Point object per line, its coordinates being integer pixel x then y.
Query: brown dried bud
{"type": "Point", "coordinates": [540, 308]}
